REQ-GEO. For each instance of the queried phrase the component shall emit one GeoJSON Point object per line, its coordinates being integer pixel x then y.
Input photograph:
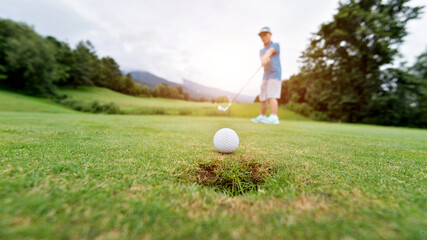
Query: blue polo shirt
{"type": "Point", "coordinates": [272, 69]}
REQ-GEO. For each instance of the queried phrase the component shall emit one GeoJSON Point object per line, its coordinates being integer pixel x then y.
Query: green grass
{"type": "Point", "coordinates": [137, 105]}
{"type": "Point", "coordinates": [86, 176]}
{"type": "Point", "coordinates": [14, 102]}
{"type": "Point", "coordinates": [86, 96]}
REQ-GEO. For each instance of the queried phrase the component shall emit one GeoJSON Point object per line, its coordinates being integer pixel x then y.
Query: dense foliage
{"type": "Point", "coordinates": [166, 91]}
{"type": "Point", "coordinates": [36, 65]}
{"type": "Point", "coordinates": [347, 72]}
{"type": "Point", "coordinates": [220, 99]}
{"type": "Point", "coordinates": [26, 60]}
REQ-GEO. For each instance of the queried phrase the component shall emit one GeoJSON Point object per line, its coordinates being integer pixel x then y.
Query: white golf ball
{"type": "Point", "coordinates": [226, 140]}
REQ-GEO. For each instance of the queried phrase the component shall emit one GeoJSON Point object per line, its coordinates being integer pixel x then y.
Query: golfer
{"type": "Point", "coordinates": [271, 81]}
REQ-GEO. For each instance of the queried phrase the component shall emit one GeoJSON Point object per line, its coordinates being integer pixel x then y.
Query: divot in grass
{"type": "Point", "coordinates": [235, 176]}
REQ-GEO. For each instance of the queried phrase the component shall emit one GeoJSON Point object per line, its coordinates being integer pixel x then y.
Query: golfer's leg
{"type": "Point", "coordinates": [263, 97]}
{"type": "Point", "coordinates": [264, 105]}
{"type": "Point", "coordinates": [273, 105]}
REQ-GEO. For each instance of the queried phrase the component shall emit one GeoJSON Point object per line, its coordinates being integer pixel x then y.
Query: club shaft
{"type": "Point", "coordinates": [253, 75]}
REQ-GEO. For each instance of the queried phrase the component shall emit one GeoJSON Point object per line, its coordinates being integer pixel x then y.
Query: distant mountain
{"type": "Point", "coordinates": [195, 90]}
{"type": "Point", "coordinates": [146, 78]}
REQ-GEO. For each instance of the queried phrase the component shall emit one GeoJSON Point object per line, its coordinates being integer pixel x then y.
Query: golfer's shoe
{"type": "Point", "coordinates": [270, 120]}
{"type": "Point", "coordinates": [258, 119]}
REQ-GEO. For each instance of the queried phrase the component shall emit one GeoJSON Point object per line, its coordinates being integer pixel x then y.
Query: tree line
{"type": "Point", "coordinates": [37, 65]}
{"type": "Point", "coordinates": [347, 72]}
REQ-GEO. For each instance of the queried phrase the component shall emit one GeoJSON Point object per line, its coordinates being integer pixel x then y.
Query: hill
{"type": "Point", "coordinates": [149, 79]}
{"type": "Point", "coordinates": [15, 102]}
{"type": "Point", "coordinates": [197, 91]}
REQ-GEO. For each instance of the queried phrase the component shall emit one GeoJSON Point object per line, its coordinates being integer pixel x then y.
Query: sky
{"type": "Point", "coordinates": [211, 42]}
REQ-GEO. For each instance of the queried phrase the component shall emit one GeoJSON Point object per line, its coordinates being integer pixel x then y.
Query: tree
{"type": "Point", "coordinates": [27, 61]}
{"type": "Point", "coordinates": [2, 71]}
{"type": "Point", "coordinates": [343, 62]}
{"type": "Point", "coordinates": [142, 91]}
{"type": "Point", "coordinates": [85, 68]}
{"type": "Point", "coordinates": [166, 91]}
{"type": "Point", "coordinates": [64, 59]}
{"type": "Point", "coordinates": [420, 67]}
{"type": "Point", "coordinates": [109, 74]}
{"type": "Point", "coordinates": [203, 99]}
{"type": "Point", "coordinates": [129, 84]}
{"type": "Point", "coordinates": [221, 99]}
{"type": "Point", "coordinates": [419, 70]}
{"type": "Point", "coordinates": [161, 90]}
{"type": "Point", "coordinates": [36, 65]}
{"type": "Point", "coordinates": [7, 30]}
{"type": "Point", "coordinates": [294, 89]}
{"type": "Point", "coordinates": [396, 104]}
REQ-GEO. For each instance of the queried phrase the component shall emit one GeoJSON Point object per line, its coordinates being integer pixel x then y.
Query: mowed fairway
{"type": "Point", "coordinates": [86, 176]}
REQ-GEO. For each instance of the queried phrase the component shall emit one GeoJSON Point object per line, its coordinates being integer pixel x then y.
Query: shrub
{"type": "Point", "coordinates": [93, 107]}
{"type": "Point", "coordinates": [301, 108]}
{"type": "Point", "coordinates": [185, 112]}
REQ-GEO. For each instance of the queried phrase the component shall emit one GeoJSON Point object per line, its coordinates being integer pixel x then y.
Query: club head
{"type": "Point", "coordinates": [221, 108]}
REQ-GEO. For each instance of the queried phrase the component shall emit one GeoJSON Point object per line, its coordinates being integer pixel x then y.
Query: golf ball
{"type": "Point", "coordinates": [226, 140]}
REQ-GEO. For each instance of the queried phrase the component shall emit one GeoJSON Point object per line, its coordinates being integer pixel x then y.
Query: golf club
{"type": "Point", "coordinates": [221, 108]}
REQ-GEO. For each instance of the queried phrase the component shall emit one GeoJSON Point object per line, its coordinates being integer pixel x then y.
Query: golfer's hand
{"type": "Point", "coordinates": [265, 60]}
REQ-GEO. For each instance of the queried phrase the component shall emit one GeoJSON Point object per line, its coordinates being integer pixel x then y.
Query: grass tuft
{"type": "Point", "coordinates": [233, 177]}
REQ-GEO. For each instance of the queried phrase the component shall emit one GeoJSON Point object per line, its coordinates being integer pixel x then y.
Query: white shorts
{"type": "Point", "coordinates": [270, 88]}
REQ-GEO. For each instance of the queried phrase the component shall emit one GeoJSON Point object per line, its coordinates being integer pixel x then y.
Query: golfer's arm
{"type": "Point", "coordinates": [269, 53]}
{"type": "Point", "coordinates": [265, 59]}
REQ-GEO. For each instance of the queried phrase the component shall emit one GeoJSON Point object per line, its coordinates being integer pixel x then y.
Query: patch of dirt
{"type": "Point", "coordinates": [234, 176]}
{"type": "Point", "coordinates": [259, 172]}
{"type": "Point", "coordinates": [207, 174]}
